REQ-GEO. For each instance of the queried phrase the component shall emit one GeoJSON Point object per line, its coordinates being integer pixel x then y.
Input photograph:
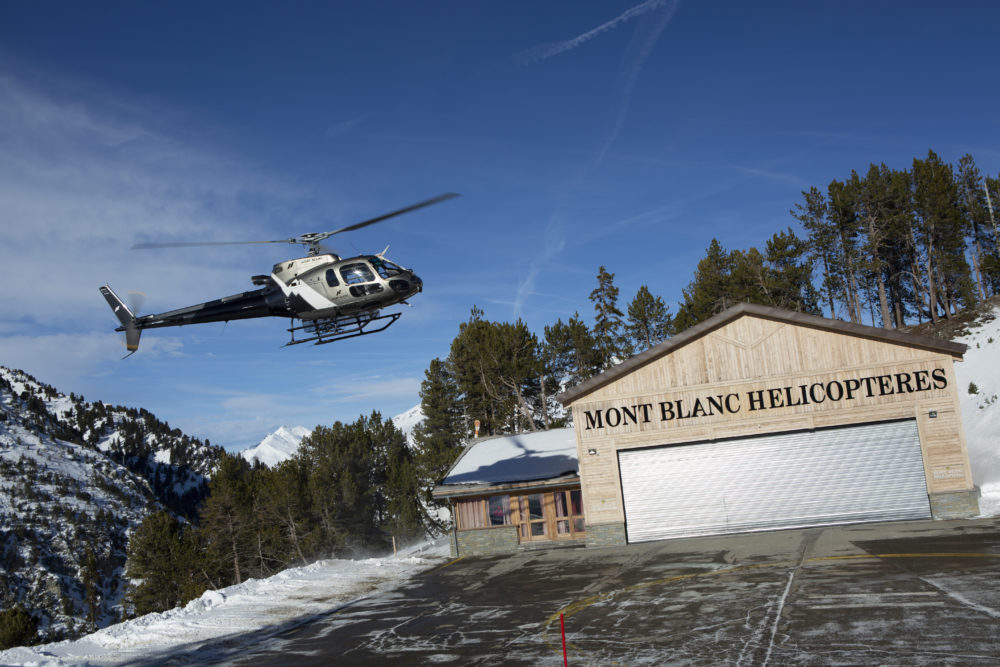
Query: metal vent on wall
{"type": "Point", "coordinates": [853, 474]}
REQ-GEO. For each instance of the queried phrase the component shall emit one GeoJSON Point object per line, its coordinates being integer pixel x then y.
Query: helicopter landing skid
{"type": "Point", "coordinates": [332, 329]}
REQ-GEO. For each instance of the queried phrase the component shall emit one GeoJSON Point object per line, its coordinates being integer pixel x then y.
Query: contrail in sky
{"type": "Point", "coordinates": [545, 51]}
{"type": "Point", "coordinates": [636, 55]}
{"type": "Point", "coordinates": [632, 74]}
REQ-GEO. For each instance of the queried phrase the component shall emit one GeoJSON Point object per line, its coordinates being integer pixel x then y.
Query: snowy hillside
{"type": "Point", "coordinates": [276, 447]}
{"type": "Point", "coordinates": [978, 390]}
{"type": "Point", "coordinates": [408, 421]}
{"type": "Point", "coordinates": [76, 478]}
{"type": "Point", "coordinates": [65, 515]}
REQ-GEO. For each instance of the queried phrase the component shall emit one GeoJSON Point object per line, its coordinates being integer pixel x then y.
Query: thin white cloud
{"type": "Point", "coordinates": [357, 389]}
{"type": "Point", "coordinates": [62, 359]}
{"type": "Point", "coordinates": [83, 176]}
{"type": "Point", "coordinates": [343, 127]}
{"type": "Point", "coordinates": [546, 51]}
{"type": "Point", "coordinates": [640, 47]}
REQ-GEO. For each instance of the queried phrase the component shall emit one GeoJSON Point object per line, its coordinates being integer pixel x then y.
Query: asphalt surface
{"type": "Point", "coordinates": [911, 593]}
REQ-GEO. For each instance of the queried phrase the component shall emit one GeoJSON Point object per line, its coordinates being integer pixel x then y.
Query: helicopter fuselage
{"type": "Point", "coordinates": [335, 298]}
{"type": "Point", "coordinates": [325, 286]}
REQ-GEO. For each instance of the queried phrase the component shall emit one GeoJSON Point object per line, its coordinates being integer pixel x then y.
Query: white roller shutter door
{"type": "Point", "coordinates": [872, 472]}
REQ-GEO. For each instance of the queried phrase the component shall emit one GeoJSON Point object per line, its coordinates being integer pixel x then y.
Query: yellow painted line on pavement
{"type": "Point", "coordinates": [441, 567]}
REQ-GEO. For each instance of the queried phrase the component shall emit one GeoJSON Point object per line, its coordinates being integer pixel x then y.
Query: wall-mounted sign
{"type": "Point", "coordinates": [757, 400]}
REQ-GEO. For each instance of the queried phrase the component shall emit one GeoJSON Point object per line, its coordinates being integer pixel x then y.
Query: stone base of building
{"type": "Point", "coordinates": [606, 535]}
{"type": "Point", "coordinates": [955, 505]}
{"type": "Point", "coordinates": [486, 541]}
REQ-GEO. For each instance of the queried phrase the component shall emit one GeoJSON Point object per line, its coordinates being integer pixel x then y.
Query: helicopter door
{"type": "Point", "coordinates": [332, 285]}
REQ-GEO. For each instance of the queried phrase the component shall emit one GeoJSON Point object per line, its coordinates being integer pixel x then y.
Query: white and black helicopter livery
{"type": "Point", "coordinates": [332, 297]}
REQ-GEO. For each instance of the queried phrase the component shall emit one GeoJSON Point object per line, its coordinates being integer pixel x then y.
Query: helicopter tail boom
{"type": "Point", "coordinates": [125, 316]}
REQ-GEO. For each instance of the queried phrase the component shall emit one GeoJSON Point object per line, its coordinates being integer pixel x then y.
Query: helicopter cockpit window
{"type": "Point", "coordinates": [356, 273]}
{"type": "Point", "coordinates": [384, 267]}
{"type": "Point", "coordinates": [331, 278]}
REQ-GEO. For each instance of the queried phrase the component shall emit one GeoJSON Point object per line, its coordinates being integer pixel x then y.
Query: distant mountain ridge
{"type": "Point", "coordinates": [276, 447]}
{"type": "Point", "coordinates": [283, 443]}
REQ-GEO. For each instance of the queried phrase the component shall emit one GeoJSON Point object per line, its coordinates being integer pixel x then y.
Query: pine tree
{"type": "Point", "coordinates": [943, 230]}
{"type": "Point", "coordinates": [402, 514]}
{"type": "Point", "coordinates": [570, 351]}
{"type": "Point", "coordinates": [648, 320]}
{"type": "Point", "coordinates": [17, 628]}
{"type": "Point", "coordinates": [465, 364]}
{"type": "Point", "coordinates": [164, 563]}
{"type": "Point", "coordinates": [439, 437]}
{"type": "Point", "coordinates": [227, 518]}
{"type": "Point", "coordinates": [973, 198]}
{"type": "Point", "coordinates": [789, 274]}
{"type": "Point", "coordinates": [843, 215]}
{"type": "Point", "coordinates": [612, 347]}
{"type": "Point", "coordinates": [342, 464]}
{"type": "Point", "coordinates": [709, 293]}
{"type": "Point", "coordinates": [281, 507]}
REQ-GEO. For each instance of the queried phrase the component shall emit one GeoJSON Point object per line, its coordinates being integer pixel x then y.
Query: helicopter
{"type": "Point", "coordinates": [332, 297]}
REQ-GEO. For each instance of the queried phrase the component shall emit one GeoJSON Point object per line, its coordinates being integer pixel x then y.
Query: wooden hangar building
{"type": "Point", "coordinates": [759, 419]}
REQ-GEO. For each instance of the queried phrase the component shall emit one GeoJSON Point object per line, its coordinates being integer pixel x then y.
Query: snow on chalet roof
{"type": "Point", "coordinates": [517, 458]}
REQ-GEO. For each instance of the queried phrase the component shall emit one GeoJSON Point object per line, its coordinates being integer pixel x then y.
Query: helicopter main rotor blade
{"type": "Point", "coordinates": [311, 239]}
{"type": "Point", "coordinates": [358, 225]}
{"type": "Point", "coordinates": [147, 246]}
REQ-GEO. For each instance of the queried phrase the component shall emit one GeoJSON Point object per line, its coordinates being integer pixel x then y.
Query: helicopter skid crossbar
{"type": "Point", "coordinates": [332, 329]}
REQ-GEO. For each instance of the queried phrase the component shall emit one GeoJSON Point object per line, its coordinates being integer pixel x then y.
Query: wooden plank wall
{"type": "Point", "coordinates": [751, 355]}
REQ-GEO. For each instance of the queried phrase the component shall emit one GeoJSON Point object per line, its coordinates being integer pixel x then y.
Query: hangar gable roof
{"type": "Point", "coordinates": [929, 343]}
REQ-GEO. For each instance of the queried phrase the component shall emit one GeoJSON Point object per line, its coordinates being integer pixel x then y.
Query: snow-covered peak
{"type": "Point", "coordinates": [277, 447]}
{"type": "Point", "coordinates": [409, 420]}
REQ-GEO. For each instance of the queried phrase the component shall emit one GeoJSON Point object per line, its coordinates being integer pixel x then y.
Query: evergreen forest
{"type": "Point", "coordinates": [889, 248]}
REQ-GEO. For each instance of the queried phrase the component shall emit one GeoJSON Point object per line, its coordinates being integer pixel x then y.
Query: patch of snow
{"type": "Point", "coordinates": [297, 593]}
{"type": "Point", "coordinates": [980, 372]}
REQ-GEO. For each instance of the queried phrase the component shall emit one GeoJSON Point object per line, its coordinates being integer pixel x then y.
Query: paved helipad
{"type": "Point", "coordinates": [914, 593]}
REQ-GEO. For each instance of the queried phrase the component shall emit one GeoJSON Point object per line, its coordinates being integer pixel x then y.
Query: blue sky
{"type": "Point", "coordinates": [579, 134]}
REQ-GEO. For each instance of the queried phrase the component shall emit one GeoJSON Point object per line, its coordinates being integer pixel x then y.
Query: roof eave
{"type": "Point", "coordinates": [955, 350]}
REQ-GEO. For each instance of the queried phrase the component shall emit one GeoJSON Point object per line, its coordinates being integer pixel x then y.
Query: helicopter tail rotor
{"type": "Point", "coordinates": [126, 316]}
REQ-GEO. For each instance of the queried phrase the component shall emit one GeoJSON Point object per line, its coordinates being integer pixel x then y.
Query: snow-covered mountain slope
{"type": "Point", "coordinates": [66, 511]}
{"type": "Point", "coordinates": [978, 389]}
{"type": "Point", "coordinates": [75, 479]}
{"type": "Point", "coordinates": [408, 421]}
{"type": "Point", "coordinates": [276, 447]}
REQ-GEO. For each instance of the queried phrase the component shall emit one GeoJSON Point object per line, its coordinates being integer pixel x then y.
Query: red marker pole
{"type": "Point", "coordinates": [562, 628]}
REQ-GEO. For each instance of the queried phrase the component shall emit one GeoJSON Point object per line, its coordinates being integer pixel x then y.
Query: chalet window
{"type": "Point", "coordinates": [470, 514]}
{"type": "Point", "coordinates": [499, 510]}
{"type": "Point", "coordinates": [556, 515]}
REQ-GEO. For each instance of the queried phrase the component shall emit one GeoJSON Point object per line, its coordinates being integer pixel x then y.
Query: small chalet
{"type": "Point", "coordinates": [515, 492]}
